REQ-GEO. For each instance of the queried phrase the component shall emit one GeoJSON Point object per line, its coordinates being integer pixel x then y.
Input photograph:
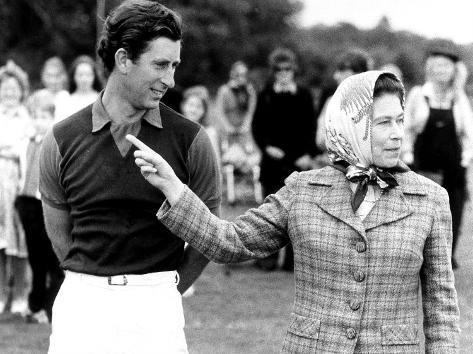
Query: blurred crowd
{"type": "Point", "coordinates": [259, 137]}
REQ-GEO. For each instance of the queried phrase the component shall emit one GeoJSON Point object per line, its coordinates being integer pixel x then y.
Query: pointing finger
{"type": "Point", "coordinates": [137, 142]}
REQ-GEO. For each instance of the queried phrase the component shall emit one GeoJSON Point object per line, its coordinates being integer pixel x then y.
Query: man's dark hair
{"type": "Point", "coordinates": [389, 83]}
{"type": "Point", "coordinates": [132, 25]}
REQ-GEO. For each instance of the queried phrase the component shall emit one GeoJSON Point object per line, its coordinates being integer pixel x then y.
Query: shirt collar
{"type": "Point", "coordinates": [291, 88]}
{"type": "Point", "coordinates": [100, 116]}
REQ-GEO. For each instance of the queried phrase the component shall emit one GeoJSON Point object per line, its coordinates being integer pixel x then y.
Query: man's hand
{"type": "Point", "coordinates": [156, 170]}
{"type": "Point", "coordinates": [275, 152]}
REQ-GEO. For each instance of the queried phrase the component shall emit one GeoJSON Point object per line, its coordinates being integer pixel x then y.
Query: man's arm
{"type": "Point", "coordinates": [205, 181]}
{"type": "Point", "coordinates": [55, 208]}
{"type": "Point", "coordinates": [191, 268]}
{"type": "Point", "coordinates": [58, 226]}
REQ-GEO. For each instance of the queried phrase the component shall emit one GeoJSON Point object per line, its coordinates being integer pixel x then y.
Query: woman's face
{"type": "Point", "coordinates": [440, 69]}
{"type": "Point", "coordinates": [84, 77]}
{"type": "Point", "coordinates": [53, 78]}
{"type": "Point", "coordinates": [239, 74]}
{"type": "Point", "coordinates": [10, 92]}
{"type": "Point", "coordinates": [193, 109]}
{"type": "Point", "coordinates": [387, 130]}
{"type": "Point", "coordinates": [284, 73]}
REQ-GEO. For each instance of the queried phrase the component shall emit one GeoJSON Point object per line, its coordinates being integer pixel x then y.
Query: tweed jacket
{"type": "Point", "coordinates": [356, 282]}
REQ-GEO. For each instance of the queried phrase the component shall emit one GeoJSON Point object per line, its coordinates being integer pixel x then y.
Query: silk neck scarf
{"type": "Point", "coordinates": [348, 136]}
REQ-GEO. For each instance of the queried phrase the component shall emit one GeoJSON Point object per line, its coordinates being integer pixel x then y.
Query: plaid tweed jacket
{"type": "Point", "coordinates": [356, 282]}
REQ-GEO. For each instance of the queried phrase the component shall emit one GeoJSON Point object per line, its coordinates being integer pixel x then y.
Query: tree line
{"type": "Point", "coordinates": [216, 33]}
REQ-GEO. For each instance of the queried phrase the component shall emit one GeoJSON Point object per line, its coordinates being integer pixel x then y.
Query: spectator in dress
{"type": "Point", "coordinates": [15, 124]}
{"type": "Point", "coordinates": [235, 106]}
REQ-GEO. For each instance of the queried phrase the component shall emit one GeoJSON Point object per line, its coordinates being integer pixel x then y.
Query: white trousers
{"type": "Point", "coordinates": [131, 314]}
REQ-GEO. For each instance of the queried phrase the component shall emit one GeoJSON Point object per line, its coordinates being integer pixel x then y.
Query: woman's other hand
{"type": "Point", "coordinates": [275, 152]}
{"type": "Point", "coordinates": [156, 170]}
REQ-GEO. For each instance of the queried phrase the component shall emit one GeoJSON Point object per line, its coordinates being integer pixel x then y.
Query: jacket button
{"type": "Point", "coordinates": [351, 333]}
{"type": "Point", "coordinates": [359, 276]}
{"type": "Point", "coordinates": [355, 305]}
{"type": "Point", "coordinates": [360, 247]}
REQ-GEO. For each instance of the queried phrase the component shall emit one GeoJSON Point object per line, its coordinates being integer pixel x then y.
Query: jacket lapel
{"type": "Point", "coordinates": [336, 199]}
{"type": "Point", "coordinates": [392, 205]}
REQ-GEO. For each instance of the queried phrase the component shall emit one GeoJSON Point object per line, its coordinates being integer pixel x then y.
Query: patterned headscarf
{"type": "Point", "coordinates": [348, 134]}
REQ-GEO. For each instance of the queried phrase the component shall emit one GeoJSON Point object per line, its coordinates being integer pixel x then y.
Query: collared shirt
{"type": "Point", "coordinates": [291, 88]}
{"type": "Point", "coordinates": [89, 171]}
{"type": "Point", "coordinates": [101, 118]}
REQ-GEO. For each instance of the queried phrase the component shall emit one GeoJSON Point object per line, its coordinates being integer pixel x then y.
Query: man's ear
{"type": "Point", "coordinates": [121, 61]}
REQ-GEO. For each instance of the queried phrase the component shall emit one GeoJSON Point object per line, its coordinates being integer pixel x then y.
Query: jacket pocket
{"type": "Point", "coordinates": [302, 335]}
{"type": "Point", "coordinates": [399, 334]}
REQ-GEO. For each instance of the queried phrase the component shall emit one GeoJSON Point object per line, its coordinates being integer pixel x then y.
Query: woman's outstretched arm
{"type": "Point", "coordinates": [256, 234]}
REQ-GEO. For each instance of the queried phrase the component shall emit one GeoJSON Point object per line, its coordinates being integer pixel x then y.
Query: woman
{"type": "Point", "coordinates": [235, 105]}
{"type": "Point", "coordinates": [85, 84]}
{"type": "Point", "coordinates": [364, 230]}
{"type": "Point", "coordinates": [195, 107]}
{"type": "Point", "coordinates": [283, 127]}
{"type": "Point", "coordinates": [439, 128]}
{"type": "Point", "coordinates": [15, 125]}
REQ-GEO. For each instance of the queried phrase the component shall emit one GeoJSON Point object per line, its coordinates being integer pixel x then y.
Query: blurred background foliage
{"type": "Point", "coordinates": [217, 32]}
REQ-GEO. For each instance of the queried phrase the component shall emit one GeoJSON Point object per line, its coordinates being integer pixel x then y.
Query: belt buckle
{"type": "Point", "coordinates": [122, 282]}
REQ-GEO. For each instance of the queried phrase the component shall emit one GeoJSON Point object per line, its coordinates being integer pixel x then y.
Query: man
{"type": "Point", "coordinates": [122, 265]}
{"type": "Point", "coordinates": [284, 129]}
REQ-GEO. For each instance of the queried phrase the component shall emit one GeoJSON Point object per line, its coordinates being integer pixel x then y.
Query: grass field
{"type": "Point", "coordinates": [245, 311]}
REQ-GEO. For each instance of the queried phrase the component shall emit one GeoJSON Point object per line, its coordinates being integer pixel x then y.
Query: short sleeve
{"type": "Point", "coordinates": [50, 188]}
{"type": "Point", "coordinates": [205, 172]}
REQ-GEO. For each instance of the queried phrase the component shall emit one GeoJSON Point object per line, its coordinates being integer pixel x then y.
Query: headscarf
{"type": "Point", "coordinates": [348, 135]}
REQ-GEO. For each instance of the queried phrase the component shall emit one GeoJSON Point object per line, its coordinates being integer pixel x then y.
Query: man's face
{"type": "Point", "coordinates": [152, 73]}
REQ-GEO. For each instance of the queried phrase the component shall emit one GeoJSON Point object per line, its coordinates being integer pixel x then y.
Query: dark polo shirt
{"type": "Point", "coordinates": [87, 168]}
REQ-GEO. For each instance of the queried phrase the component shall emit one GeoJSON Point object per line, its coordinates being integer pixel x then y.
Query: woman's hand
{"type": "Point", "coordinates": [275, 152]}
{"type": "Point", "coordinates": [156, 170]}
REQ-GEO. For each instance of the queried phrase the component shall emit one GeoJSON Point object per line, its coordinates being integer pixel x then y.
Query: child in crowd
{"type": "Point", "coordinates": [47, 276]}
{"type": "Point", "coordinates": [14, 123]}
